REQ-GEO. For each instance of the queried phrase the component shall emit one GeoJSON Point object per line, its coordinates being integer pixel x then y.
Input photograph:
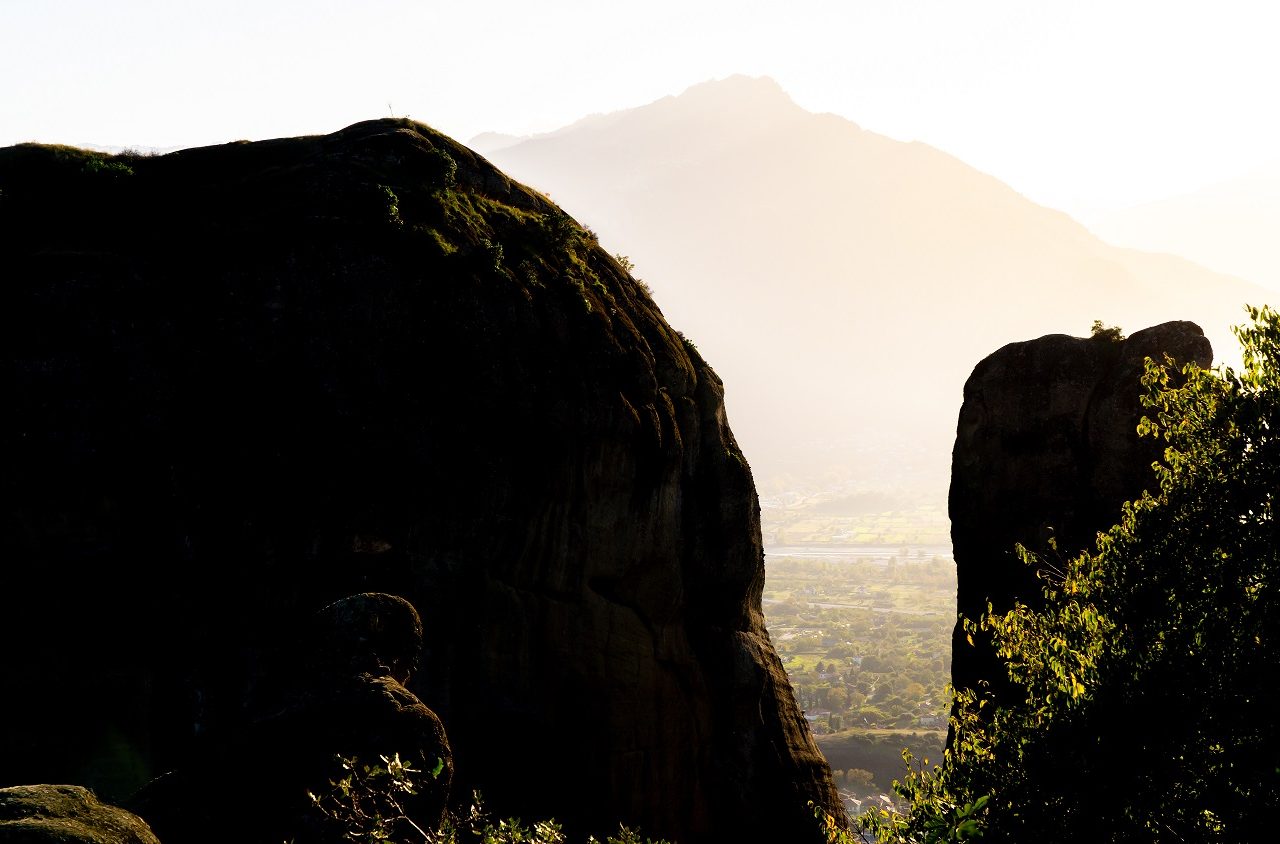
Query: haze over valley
{"type": "Point", "coordinates": [842, 283]}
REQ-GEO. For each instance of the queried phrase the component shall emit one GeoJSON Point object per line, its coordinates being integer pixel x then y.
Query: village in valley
{"type": "Point", "coordinates": [860, 607]}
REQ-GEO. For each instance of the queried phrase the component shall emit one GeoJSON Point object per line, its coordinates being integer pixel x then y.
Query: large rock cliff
{"type": "Point", "coordinates": [1047, 448]}
{"type": "Point", "coordinates": [247, 380]}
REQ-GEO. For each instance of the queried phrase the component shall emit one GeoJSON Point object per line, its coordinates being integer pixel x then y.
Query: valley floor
{"type": "Point", "coordinates": [864, 631]}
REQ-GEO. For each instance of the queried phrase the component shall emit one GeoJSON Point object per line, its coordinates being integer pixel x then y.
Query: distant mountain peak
{"type": "Point", "coordinates": [738, 84]}
{"type": "Point", "coordinates": [734, 104]}
{"type": "Point", "coordinates": [750, 100]}
{"type": "Point", "coordinates": [760, 94]}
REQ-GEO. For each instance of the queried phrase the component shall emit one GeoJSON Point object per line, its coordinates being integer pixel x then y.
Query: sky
{"type": "Point", "coordinates": [1080, 105]}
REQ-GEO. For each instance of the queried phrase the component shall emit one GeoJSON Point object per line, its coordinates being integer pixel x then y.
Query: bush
{"type": "Point", "coordinates": [364, 804]}
{"type": "Point", "coordinates": [1146, 711]}
{"type": "Point", "coordinates": [1110, 333]}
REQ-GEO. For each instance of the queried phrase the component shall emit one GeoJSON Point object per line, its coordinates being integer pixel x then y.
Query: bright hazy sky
{"type": "Point", "coordinates": [1078, 104]}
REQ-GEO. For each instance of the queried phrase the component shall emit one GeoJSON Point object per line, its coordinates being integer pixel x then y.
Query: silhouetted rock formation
{"type": "Point", "coordinates": [251, 379]}
{"type": "Point", "coordinates": [345, 699]}
{"type": "Point", "coordinates": [66, 814]}
{"type": "Point", "coordinates": [1047, 447]}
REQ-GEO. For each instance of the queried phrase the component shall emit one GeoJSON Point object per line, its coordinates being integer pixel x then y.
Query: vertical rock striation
{"type": "Point", "coordinates": [1047, 448]}
{"type": "Point", "coordinates": [249, 380]}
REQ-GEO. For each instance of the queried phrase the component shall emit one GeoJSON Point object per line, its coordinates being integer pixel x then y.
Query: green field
{"type": "Point", "coordinates": [866, 642]}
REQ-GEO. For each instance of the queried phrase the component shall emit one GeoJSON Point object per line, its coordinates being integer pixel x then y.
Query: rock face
{"type": "Point", "coordinates": [1047, 448]}
{"type": "Point", "coordinates": [66, 814]}
{"type": "Point", "coordinates": [340, 695]}
{"type": "Point", "coordinates": [248, 380]}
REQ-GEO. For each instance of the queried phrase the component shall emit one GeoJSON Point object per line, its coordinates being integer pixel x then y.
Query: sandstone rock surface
{"type": "Point", "coordinates": [252, 379]}
{"type": "Point", "coordinates": [66, 814]}
{"type": "Point", "coordinates": [1047, 448]}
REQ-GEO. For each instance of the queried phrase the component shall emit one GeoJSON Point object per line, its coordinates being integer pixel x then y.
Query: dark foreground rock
{"type": "Point", "coordinates": [246, 381]}
{"type": "Point", "coordinates": [1047, 448]}
{"type": "Point", "coordinates": [66, 814]}
{"type": "Point", "coordinates": [339, 700]}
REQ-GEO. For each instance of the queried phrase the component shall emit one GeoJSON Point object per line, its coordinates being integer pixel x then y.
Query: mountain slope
{"type": "Point", "coordinates": [843, 282]}
{"type": "Point", "coordinates": [1230, 226]}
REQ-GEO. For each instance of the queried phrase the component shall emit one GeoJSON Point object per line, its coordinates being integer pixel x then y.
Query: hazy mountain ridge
{"type": "Point", "coordinates": [842, 282]}
{"type": "Point", "coordinates": [1230, 226]}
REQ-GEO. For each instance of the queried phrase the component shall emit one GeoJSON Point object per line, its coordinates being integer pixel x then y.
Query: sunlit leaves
{"type": "Point", "coordinates": [1142, 687]}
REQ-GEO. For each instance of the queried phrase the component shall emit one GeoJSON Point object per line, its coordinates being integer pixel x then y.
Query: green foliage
{"type": "Point", "coordinates": [107, 167]}
{"type": "Point", "coordinates": [509, 831]}
{"type": "Point", "coordinates": [561, 230]}
{"type": "Point", "coordinates": [364, 804]}
{"type": "Point", "coordinates": [476, 827]}
{"type": "Point", "coordinates": [578, 244]}
{"type": "Point", "coordinates": [629, 267]}
{"type": "Point", "coordinates": [445, 168]}
{"type": "Point", "coordinates": [494, 252]}
{"type": "Point", "coordinates": [1111, 333]}
{"type": "Point", "coordinates": [626, 836]}
{"type": "Point", "coordinates": [939, 807]}
{"type": "Point", "coordinates": [1146, 710]}
{"type": "Point", "coordinates": [390, 205]}
{"type": "Point", "coordinates": [859, 780]}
